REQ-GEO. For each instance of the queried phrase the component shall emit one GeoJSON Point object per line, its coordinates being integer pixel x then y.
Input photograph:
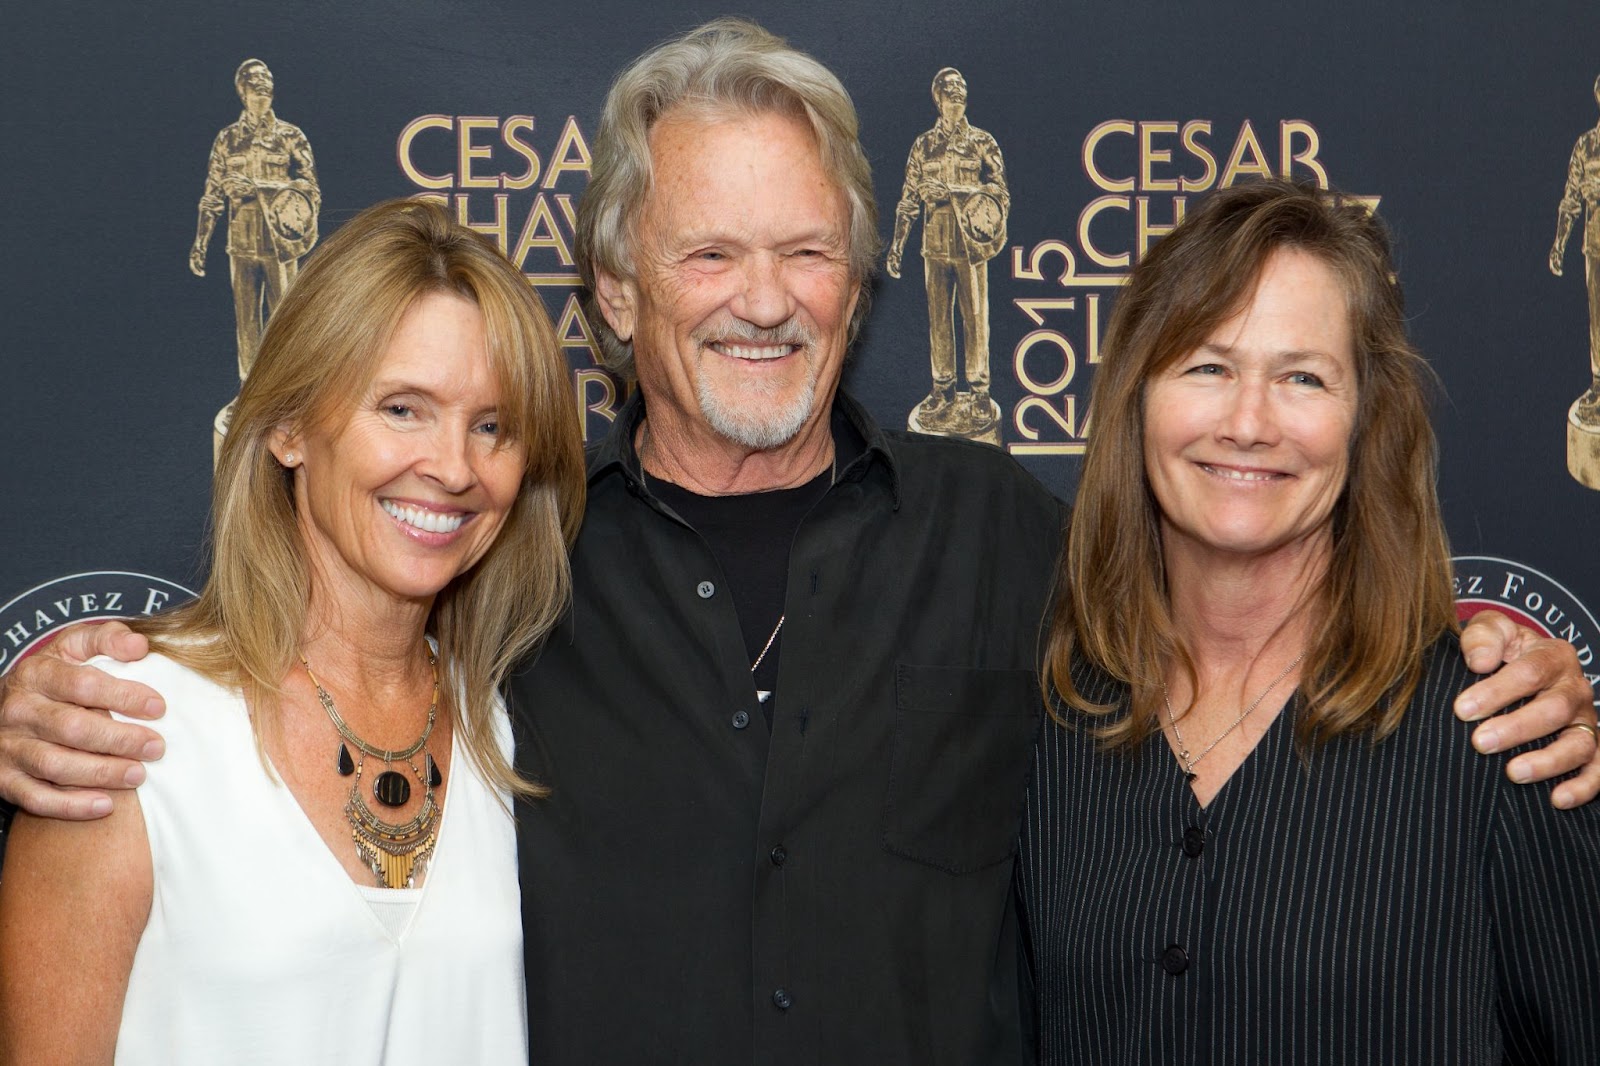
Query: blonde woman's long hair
{"type": "Point", "coordinates": [1386, 594]}
{"type": "Point", "coordinates": [317, 356]}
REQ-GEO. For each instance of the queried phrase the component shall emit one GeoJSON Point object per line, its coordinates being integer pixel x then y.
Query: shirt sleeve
{"type": "Point", "coordinates": [300, 151]}
{"type": "Point", "coordinates": [212, 199]}
{"type": "Point", "coordinates": [910, 205]}
{"type": "Point", "coordinates": [1572, 194]}
{"type": "Point", "coordinates": [1540, 875]}
{"type": "Point", "coordinates": [994, 173]}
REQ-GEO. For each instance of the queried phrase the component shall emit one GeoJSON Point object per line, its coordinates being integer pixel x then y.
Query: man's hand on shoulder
{"type": "Point", "coordinates": [1526, 664]}
{"type": "Point", "coordinates": [58, 746]}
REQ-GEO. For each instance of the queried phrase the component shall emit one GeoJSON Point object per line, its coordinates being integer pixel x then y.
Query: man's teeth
{"type": "Point", "coordinates": [745, 351]}
{"type": "Point", "coordinates": [1243, 475]}
{"type": "Point", "coordinates": [424, 520]}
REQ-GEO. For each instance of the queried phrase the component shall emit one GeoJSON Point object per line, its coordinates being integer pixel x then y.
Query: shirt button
{"type": "Point", "coordinates": [706, 590]}
{"type": "Point", "coordinates": [741, 719]}
{"type": "Point", "coordinates": [782, 1000]}
{"type": "Point", "coordinates": [1174, 960]}
{"type": "Point", "coordinates": [779, 855]}
{"type": "Point", "coordinates": [1194, 841]}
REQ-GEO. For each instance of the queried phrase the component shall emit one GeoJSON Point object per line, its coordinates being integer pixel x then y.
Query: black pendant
{"type": "Point", "coordinates": [391, 789]}
{"type": "Point", "coordinates": [346, 766]}
{"type": "Point", "coordinates": [1192, 776]}
{"type": "Point", "coordinates": [435, 778]}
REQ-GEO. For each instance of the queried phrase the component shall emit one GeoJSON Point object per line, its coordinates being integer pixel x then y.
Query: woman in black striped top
{"type": "Point", "coordinates": [1256, 832]}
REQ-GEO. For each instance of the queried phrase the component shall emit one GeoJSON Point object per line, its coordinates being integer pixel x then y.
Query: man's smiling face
{"type": "Point", "coordinates": [740, 305]}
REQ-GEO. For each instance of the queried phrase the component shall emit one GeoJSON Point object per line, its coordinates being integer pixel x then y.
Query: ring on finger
{"type": "Point", "coordinates": [1594, 734]}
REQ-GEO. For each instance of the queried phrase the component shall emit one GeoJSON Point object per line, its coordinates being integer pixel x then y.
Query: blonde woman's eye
{"type": "Point", "coordinates": [398, 410]}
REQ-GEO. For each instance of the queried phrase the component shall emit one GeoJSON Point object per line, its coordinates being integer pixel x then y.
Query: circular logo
{"type": "Point", "coordinates": [1529, 598]}
{"type": "Point", "coordinates": [29, 619]}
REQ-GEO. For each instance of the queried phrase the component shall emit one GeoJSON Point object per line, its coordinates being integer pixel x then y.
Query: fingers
{"type": "Point", "coordinates": [36, 797]}
{"type": "Point", "coordinates": [1536, 666]}
{"type": "Point", "coordinates": [41, 681]}
{"type": "Point", "coordinates": [1574, 748]}
{"type": "Point", "coordinates": [82, 642]}
{"type": "Point", "coordinates": [49, 780]}
{"type": "Point", "coordinates": [50, 752]}
{"type": "Point", "coordinates": [1582, 788]}
{"type": "Point", "coordinates": [1488, 640]}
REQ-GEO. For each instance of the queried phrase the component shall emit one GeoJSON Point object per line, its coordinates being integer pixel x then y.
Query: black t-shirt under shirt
{"type": "Point", "coordinates": [750, 536]}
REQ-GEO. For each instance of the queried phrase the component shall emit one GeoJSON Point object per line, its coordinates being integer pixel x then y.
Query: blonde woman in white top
{"type": "Point", "coordinates": [323, 867]}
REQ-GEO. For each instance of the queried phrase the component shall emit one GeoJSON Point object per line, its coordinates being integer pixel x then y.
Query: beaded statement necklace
{"type": "Point", "coordinates": [397, 853]}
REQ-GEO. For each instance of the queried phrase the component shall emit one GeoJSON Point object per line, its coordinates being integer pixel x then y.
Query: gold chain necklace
{"type": "Point", "coordinates": [1183, 749]}
{"type": "Point", "coordinates": [397, 853]}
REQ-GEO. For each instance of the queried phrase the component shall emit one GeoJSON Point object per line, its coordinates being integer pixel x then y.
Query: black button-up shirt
{"type": "Point", "coordinates": [697, 892]}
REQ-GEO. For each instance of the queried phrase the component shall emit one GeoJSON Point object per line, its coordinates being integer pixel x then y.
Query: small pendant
{"type": "Point", "coordinates": [346, 765]}
{"type": "Point", "coordinates": [435, 778]}
{"type": "Point", "coordinates": [1192, 776]}
{"type": "Point", "coordinates": [763, 695]}
{"type": "Point", "coordinates": [391, 789]}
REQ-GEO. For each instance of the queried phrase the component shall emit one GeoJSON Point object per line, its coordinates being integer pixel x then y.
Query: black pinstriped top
{"type": "Point", "coordinates": [1397, 904]}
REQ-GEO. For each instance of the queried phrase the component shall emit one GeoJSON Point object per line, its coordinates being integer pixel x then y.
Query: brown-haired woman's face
{"type": "Point", "coordinates": [408, 490]}
{"type": "Point", "coordinates": [1247, 438]}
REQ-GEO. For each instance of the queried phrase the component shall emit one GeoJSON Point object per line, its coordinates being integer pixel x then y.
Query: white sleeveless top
{"type": "Point", "coordinates": [261, 949]}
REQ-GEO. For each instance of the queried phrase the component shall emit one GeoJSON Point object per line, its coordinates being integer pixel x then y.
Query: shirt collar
{"type": "Point", "coordinates": [958, 128]}
{"type": "Point", "coordinates": [269, 119]}
{"type": "Point", "coordinates": [854, 433]}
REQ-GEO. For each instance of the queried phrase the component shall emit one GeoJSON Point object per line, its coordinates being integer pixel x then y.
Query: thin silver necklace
{"type": "Point", "coordinates": [765, 694]}
{"type": "Point", "coordinates": [1189, 763]}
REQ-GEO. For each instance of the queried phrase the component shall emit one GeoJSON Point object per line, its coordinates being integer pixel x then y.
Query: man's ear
{"type": "Point", "coordinates": [619, 301]}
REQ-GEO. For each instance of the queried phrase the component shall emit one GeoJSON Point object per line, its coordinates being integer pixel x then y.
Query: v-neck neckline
{"type": "Point", "coordinates": [328, 863]}
{"type": "Point", "coordinates": [1175, 765]}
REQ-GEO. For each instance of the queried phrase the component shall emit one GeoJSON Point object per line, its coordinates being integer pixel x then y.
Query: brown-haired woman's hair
{"type": "Point", "coordinates": [317, 356]}
{"type": "Point", "coordinates": [1386, 594]}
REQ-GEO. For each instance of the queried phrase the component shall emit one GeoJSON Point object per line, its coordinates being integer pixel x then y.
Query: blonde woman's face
{"type": "Point", "coordinates": [410, 490]}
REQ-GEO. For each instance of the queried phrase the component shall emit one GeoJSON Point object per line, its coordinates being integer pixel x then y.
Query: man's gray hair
{"type": "Point", "coordinates": [726, 66]}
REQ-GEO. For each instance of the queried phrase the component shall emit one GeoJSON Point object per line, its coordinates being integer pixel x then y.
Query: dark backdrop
{"type": "Point", "coordinates": [1458, 118]}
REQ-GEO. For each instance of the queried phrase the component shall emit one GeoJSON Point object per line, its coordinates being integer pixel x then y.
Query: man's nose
{"type": "Point", "coordinates": [765, 300]}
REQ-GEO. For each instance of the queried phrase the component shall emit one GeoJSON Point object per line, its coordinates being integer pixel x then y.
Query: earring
{"type": "Point", "coordinates": [288, 458]}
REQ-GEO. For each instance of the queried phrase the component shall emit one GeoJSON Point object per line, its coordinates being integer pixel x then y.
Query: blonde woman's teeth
{"type": "Point", "coordinates": [428, 521]}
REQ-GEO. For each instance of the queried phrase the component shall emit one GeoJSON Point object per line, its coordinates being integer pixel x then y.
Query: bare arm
{"type": "Point", "coordinates": [73, 903]}
{"type": "Point", "coordinates": [1548, 671]}
{"type": "Point", "coordinates": [58, 747]}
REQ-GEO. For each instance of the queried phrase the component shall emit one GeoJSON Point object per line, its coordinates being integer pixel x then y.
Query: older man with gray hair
{"type": "Point", "coordinates": [789, 720]}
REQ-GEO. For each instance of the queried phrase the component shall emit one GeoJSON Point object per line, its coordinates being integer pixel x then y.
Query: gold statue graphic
{"type": "Point", "coordinates": [956, 181]}
{"type": "Point", "coordinates": [260, 171]}
{"type": "Point", "coordinates": [1582, 196]}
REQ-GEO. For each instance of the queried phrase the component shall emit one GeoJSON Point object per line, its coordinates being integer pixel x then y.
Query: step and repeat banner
{"type": "Point", "coordinates": [168, 165]}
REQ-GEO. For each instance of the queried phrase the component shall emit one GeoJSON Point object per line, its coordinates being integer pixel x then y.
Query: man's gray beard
{"type": "Point", "coordinates": [754, 421]}
{"type": "Point", "coordinates": [752, 418]}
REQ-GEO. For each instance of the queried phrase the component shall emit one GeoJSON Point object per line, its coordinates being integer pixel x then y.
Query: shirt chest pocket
{"type": "Point", "coordinates": [963, 744]}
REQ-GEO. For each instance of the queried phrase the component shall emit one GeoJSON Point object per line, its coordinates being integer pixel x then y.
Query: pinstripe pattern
{"type": "Point", "coordinates": [1397, 904]}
